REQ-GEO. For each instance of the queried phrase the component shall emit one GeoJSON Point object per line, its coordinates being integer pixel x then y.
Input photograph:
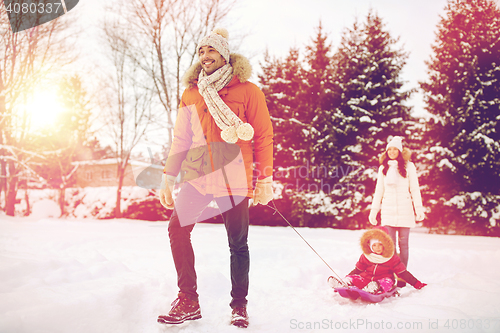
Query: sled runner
{"type": "Point", "coordinates": [355, 293]}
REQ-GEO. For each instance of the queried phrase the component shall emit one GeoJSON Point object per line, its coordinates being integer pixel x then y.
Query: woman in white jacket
{"type": "Point", "coordinates": [397, 195]}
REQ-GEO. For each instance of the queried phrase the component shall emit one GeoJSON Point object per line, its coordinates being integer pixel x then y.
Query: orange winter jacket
{"type": "Point", "coordinates": [211, 165]}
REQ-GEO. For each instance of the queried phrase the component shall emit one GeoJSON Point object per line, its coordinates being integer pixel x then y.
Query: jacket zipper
{"type": "Point", "coordinates": [374, 270]}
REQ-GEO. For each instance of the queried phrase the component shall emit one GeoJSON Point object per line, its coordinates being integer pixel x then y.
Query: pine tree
{"type": "Point", "coordinates": [463, 93]}
{"type": "Point", "coordinates": [295, 89]}
{"type": "Point", "coordinates": [366, 106]}
{"type": "Point", "coordinates": [318, 71]}
{"type": "Point", "coordinates": [283, 86]}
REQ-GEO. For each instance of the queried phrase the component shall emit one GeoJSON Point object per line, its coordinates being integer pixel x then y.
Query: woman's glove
{"type": "Point", "coordinates": [419, 214]}
{"type": "Point", "coordinates": [419, 285]}
{"type": "Point", "coordinates": [263, 191]}
{"type": "Point", "coordinates": [166, 186]}
{"type": "Point", "coordinates": [373, 217]}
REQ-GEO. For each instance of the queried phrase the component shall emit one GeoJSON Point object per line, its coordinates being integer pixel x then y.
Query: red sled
{"type": "Point", "coordinates": [355, 293]}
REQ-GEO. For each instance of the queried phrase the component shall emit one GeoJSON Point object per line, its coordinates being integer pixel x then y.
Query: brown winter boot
{"type": "Point", "coordinates": [239, 317]}
{"type": "Point", "coordinates": [182, 309]}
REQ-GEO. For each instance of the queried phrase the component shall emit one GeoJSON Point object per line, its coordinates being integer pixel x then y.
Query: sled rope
{"type": "Point", "coordinates": [277, 211]}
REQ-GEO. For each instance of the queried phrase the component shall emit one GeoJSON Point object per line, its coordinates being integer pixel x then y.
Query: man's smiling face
{"type": "Point", "coordinates": [210, 59]}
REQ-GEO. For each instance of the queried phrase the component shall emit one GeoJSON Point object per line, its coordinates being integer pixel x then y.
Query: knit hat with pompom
{"type": "Point", "coordinates": [218, 40]}
{"type": "Point", "coordinates": [396, 142]}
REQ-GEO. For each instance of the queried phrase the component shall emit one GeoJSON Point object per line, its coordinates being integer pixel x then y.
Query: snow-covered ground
{"type": "Point", "coordinates": [117, 276]}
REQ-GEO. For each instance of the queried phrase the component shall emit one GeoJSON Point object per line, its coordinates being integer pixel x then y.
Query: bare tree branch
{"type": "Point", "coordinates": [26, 58]}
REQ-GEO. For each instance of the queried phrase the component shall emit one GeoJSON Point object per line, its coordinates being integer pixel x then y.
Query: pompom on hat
{"type": "Point", "coordinates": [218, 40]}
{"type": "Point", "coordinates": [396, 142]}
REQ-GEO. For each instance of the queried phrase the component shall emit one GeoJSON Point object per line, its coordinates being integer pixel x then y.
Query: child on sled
{"type": "Point", "coordinates": [376, 268]}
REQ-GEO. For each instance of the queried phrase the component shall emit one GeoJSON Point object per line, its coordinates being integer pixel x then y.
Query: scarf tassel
{"type": "Point", "coordinates": [231, 134]}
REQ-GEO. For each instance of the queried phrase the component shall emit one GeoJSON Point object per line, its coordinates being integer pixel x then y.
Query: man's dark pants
{"type": "Point", "coordinates": [235, 215]}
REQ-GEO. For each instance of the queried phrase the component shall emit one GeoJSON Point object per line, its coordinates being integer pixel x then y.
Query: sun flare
{"type": "Point", "coordinates": [43, 109]}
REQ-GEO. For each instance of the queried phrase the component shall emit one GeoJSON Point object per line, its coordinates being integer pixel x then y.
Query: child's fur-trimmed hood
{"type": "Point", "coordinates": [381, 236]}
{"type": "Point", "coordinates": [241, 68]}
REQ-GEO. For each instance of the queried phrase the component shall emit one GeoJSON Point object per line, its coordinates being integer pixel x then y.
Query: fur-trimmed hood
{"type": "Point", "coordinates": [241, 68]}
{"type": "Point", "coordinates": [406, 155]}
{"type": "Point", "coordinates": [381, 236]}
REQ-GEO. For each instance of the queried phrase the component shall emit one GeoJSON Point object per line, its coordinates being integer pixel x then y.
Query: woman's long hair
{"type": "Point", "coordinates": [401, 164]}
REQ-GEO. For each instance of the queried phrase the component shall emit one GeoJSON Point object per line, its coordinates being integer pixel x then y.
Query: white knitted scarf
{"type": "Point", "coordinates": [376, 258]}
{"type": "Point", "coordinates": [392, 173]}
{"type": "Point", "coordinates": [230, 124]}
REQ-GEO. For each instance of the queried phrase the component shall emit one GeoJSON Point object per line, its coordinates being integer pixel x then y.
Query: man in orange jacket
{"type": "Point", "coordinates": [220, 114]}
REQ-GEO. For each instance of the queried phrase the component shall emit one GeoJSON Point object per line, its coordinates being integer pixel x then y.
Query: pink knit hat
{"type": "Point", "coordinates": [218, 40]}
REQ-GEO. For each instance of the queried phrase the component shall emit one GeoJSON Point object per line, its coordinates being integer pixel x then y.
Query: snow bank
{"type": "Point", "coordinates": [62, 276]}
{"type": "Point", "coordinates": [45, 208]}
{"type": "Point", "coordinates": [93, 202]}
